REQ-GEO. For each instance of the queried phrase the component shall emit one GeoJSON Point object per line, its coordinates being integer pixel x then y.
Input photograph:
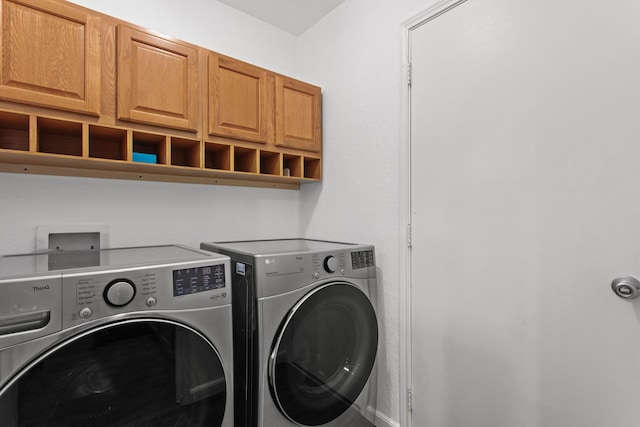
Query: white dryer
{"type": "Point", "coordinates": [305, 332]}
{"type": "Point", "coordinates": [127, 337]}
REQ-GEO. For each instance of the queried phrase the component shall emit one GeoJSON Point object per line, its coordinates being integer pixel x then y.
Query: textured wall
{"type": "Point", "coordinates": [355, 54]}
{"type": "Point", "coordinates": [141, 213]}
{"type": "Point", "coordinates": [209, 24]}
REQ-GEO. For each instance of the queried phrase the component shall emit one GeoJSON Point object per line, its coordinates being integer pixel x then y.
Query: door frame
{"type": "Point", "coordinates": [405, 222]}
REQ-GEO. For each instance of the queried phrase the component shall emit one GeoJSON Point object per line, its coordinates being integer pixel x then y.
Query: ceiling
{"type": "Point", "coordinates": [293, 16]}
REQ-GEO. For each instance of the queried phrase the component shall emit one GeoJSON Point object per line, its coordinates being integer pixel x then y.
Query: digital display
{"type": "Point", "coordinates": [362, 259]}
{"type": "Point", "coordinates": [198, 279]}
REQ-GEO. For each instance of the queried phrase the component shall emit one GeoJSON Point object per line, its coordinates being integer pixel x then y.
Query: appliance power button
{"type": "Point", "coordinates": [85, 313]}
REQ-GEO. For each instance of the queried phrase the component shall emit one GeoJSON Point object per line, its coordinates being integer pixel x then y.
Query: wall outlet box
{"type": "Point", "coordinates": [72, 237]}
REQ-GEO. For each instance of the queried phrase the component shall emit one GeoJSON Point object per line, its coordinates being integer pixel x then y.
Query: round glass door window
{"type": "Point", "coordinates": [138, 373]}
{"type": "Point", "coordinates": [323, 354]}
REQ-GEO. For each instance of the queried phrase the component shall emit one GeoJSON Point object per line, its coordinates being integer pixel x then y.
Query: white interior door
{"type": "Point", "coordinates": [525, 204]}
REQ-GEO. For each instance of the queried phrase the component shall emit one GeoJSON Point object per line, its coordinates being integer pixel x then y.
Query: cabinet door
{"type": "Point", "coordinates": [298, 115]}
{"type": "Point", "coordinates": [157, 80]}
{"type": "Point", "coordinates": [50, 55]}
{"type": "Point", "coordinates": [240, 100]}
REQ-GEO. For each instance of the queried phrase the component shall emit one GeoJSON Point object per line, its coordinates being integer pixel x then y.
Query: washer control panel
{"type": "Point", "coordinates": [200, 279]}
{"type": "Point", "coordinates": [187, 285]}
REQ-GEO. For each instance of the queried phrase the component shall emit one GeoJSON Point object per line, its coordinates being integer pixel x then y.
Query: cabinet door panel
{"type": "Point", "coordinates": [50, 55]}
{"type": "Point", "coordinates": [157, 80]}
{"type": "Point", "coordinates": [239, 105]}
{"type": "Point", "coordinates": [298, 115]}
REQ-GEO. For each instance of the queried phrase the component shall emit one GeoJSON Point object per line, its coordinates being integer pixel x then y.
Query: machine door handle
{"type": "Point", "coordinates": [626, 287]}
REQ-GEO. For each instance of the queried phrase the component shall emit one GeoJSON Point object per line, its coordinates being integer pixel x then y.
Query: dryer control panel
{"type": "Point", "coordinates": [285, 272]}
{"type": "Point", "coordinates": [282, 265]}
{"type": "Point", "coordinates": [331, 263]}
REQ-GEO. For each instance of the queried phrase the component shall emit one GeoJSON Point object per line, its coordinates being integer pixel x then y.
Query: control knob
{"type": "Point", "coordinates": [330, 264]}
{"type": "Point", "coordinates": [119, 292]}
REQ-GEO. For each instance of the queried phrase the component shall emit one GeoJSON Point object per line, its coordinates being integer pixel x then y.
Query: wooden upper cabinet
{"type": "Point", "coordinates": [157, 80]}
{"type": "Point", "coordinates": [298, 115]}
{"type": "Point", "coordinates": [50, 55]}
{"type": "Point", "coordinates": [240, 100]}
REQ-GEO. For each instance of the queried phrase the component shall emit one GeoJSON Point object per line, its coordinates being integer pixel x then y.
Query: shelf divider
{"type": "Point", "coordinates": [33, 134]}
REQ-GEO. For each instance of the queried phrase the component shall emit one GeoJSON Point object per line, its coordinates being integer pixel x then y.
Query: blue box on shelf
{"type": "Point", "coordinates": [145, 158]}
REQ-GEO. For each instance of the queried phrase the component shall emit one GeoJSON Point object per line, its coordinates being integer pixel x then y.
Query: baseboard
{"type": "Point", "coordinates": [382, 420]}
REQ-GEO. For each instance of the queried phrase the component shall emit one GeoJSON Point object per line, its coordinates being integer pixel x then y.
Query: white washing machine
{"type": "Point", "coordinates": [305, 332]}
{"type": "Point", "coordinates": [127, 337]}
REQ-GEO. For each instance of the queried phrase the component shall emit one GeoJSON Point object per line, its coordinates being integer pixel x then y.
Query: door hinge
{"type": "Point", "coordinates": [409, 399]}
{"type": "Point", "coordinates": [409, 74]}
{"type": "Point", "coordinates": [409, 235]}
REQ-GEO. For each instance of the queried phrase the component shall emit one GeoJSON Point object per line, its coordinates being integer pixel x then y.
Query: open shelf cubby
{"type": "Point", "coordinates": [59, 137]}
{"type": "Point", "coordinates": [292, 164]}
{"type": "Point", "coordinates": [151, 145]}
{"type": "Point", "coordinates": [58, 145]}
{"type": "Point", "coordinates": [245, 159]}
{"type": "Point", "coordinates": [270, 163]}
{"type": "Point", "coordinates": [107, 143]}
{"type": "Point", "coordinates": [186, 152]}
{"type": "Point", "coordinates": [14, 131]}
{"type": "Point", "coordinates": [217, 156]}
{"type": "Point", "coordinates": [312, 168]}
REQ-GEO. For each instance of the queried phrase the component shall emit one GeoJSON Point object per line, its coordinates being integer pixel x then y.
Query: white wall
{"type": "Point", "coordinates": [355, 54]}
{"type": "Point", "coordinates": [209, 24]}
{"type": "Point", "coordinates": [140, 213]}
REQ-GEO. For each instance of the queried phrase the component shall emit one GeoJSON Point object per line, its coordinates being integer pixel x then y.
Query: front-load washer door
{"type": "Point", "coordinates": [134, 373]}
{"type": "Point", "coordinates": [323, 354]}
